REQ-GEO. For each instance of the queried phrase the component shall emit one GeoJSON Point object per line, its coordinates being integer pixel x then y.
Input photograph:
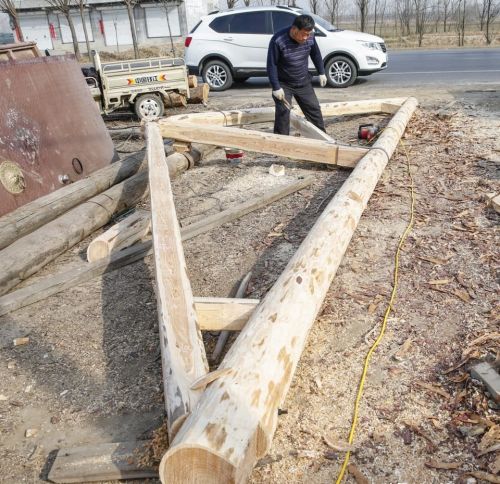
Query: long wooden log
{"type": "Point", "coordinates": [28, 254]}
{"type": "Point", "coordinates": [51, 285]}
{"type": "Point", "coordinates": [33, 215]}
{"type": "Point", "coordinates": [236, 418]}
{"type": "Point", "coordinates": [183, 353]}
{"type": "Point", "coordinates": [123, 234]}
{"type": "Point", "coordinates": [299, 149]}
{"type": "Point", "coordinates": [238, 117]}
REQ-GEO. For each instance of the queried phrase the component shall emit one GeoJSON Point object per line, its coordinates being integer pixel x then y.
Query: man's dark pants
{"type": "Point", "coordinates": [307, 101]}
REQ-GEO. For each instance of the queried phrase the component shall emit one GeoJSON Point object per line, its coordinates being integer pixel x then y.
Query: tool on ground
{"type": "Point", "coordinates": [368, 131]}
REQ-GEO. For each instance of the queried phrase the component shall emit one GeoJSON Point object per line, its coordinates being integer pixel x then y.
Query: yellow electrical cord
{"type": "Point", "coordinates": [384, 322]}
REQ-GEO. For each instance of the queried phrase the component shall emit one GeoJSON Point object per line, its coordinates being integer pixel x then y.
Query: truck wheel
{"type": "Point", "coordinates": [217, 75]}
{"type": "Point", "coordinates": [149, 107]}
{"type": "Point", "coordinates": [341, 71]}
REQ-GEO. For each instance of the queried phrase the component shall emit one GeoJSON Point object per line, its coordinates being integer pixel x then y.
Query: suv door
{"type": "Point", "coordinates": [248, 34]}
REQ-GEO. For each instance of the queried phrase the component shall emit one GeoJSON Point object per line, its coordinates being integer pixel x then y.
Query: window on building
{"type": "Point", "coordinates": [116, 27]}
{"type": "Point", "coordinates": [156, 22]}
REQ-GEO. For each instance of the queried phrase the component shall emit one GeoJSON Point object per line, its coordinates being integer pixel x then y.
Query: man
{"type": "Point", "coordinates": [287, 68]}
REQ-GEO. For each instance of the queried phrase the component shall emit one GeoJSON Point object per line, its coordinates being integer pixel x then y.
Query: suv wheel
{"type": "Point", "coordinates": [341, 71]}
{"type": "Point", "coordinates": [149, 107]}
{"type": "Point", "coordinates": [217, 75]}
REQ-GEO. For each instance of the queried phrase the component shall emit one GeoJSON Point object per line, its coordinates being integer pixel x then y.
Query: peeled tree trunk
{"type": "Point", "coordinates": [235, 420]}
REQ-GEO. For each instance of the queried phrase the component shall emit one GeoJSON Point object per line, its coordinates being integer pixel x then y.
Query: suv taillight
{"type": "Point", "coordinates": [187, 42]}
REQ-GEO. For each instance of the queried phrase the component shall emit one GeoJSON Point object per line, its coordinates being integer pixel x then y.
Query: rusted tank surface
{"type": "Point", "coordinates": [51, 132]}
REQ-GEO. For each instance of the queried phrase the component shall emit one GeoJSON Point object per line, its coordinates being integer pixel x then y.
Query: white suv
{"type": "Point", "coordinates": [231, 46]}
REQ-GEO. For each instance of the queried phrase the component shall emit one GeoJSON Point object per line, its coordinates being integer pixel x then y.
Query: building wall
{"type": "Point", "coordinates": [50, 29]}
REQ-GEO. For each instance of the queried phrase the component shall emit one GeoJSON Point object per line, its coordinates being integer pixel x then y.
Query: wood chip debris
{"type": "Point", "coordinates": [357, 474]}
{"type": "Point", "coordinates": [437, 464]}
{"type": "Point", "coordinates": [433, 389]}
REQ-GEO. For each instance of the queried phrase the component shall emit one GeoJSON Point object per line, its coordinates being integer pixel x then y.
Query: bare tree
{"type": "Point", "coordinates": [9, 8]}
{"type": "Point", "coordinates": [447, 4]}
{"type": "Point", "coordinates": [314, 5]}
{"type": "Point", "coordinates": [460, 21]}
{"type": "Point", "coordinates": [168, 5]}
{"type": "Point", "coordinates": [363, 12]}
{"type": "Point", "coordinates": [130, 4]}
{"type": "Point", "coordinates": [64, 6]}
{"type": "Point", "coordinates": [421, 18]}
{"type": "Point", "coordinates": [231, 3]}
{"type": "Point", "coordinates": [492, 9]}
{"type": "Point", "coordinates": [247, 3]}
{"type": "Point", "coordinates": [375, 11]}
{"type": "Point", "coordinates": [332, 11]}
{"type": "Point", "coordinates": [404, 9]}
{"type": "Point", "coordinates": [81, 6]}
{"type": "Point", "coordinates": [382, 9]}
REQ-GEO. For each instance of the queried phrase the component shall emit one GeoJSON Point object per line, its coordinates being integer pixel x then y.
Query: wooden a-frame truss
{"type": "Point", "coordinates": [221, 422]}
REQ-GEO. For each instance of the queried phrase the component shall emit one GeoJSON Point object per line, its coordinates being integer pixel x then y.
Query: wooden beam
{"type": "Point", "coordinates": [101, 462]}
{"type": "Point", "coordinates": [270, 143]}
{"type": "Point", "coordinates": [307, 129]}
{"type": "Point", "coordinates": [223, 314]}
{"type": "Point", "coordinates": [123, 234]}
{"type": "Point", "coordinates": [182, 349]}
{"type": "Point", "coordinates": [235, 420]}
{"type": "Point", "coordinates": [238, 117]}
{"type": "Point", "coordinates": [224, 336]}
{"type": "Point", "coordinates": [73, 276]}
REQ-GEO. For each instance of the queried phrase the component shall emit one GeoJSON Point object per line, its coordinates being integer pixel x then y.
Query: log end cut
{"type": "Point", "coordinates": [98, 249]}
{"type": "Point", "coordinates": [196, 465]}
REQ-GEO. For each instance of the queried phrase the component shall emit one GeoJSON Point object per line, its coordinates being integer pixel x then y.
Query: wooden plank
{"type": "Point", "coordinates": [51, 285]}
{"type": "Point", "coordinates": [270, 143]}
{"type": "Point", "coordinates": [224, 336]}
{"type": "Point", "coordinates": [223, 314]}
{"type": "Point", "coordinates": [183, 353]}
{"type": "Point", "coordinates": [235, 420]}
{"type": "Point", "coordinates": [212, 221]}
{"type": "Point", "coordinates": [307, 129]}
{"type": "Point", "coordinates": [101, 462]}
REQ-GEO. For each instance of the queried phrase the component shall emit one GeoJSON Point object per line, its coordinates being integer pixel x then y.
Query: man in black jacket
{"type": "Point", "coordinates": [287, 68]}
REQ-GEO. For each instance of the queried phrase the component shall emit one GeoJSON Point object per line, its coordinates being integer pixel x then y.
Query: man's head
{"type": "Point", "coordinates": [302, 28]}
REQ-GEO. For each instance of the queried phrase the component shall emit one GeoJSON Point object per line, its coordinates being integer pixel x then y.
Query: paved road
{"type": "Point", "coordinates": [442, 67]}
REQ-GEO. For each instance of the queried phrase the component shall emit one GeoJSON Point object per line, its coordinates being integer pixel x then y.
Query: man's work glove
{"type": "Point", "coordinates": [279, 94]}
{"type": "Point", "coordinates": [322, 80]}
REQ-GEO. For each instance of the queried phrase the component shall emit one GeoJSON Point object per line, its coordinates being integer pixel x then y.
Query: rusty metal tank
{"type": "Point", "coordinates": [51, 132]}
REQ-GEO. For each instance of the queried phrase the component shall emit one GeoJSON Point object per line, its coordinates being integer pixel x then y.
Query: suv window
{"type": "Point", "coordinates": [249, 23]}
{"type": "Point", "coordinates": [221, 24]}
{"type": "Point", "coordinates": [282, 20]}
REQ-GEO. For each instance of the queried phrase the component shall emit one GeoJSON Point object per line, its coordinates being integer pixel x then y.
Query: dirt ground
{"type": "Point", "coordinates": [92, 372]}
